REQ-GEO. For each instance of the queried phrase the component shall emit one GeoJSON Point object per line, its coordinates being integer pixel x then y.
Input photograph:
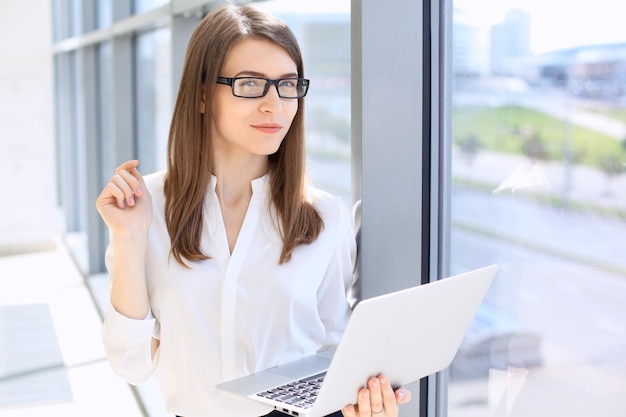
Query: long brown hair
{"type": "Point", "coordinates": [190, 165]}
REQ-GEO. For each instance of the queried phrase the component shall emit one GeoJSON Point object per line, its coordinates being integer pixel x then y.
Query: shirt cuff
{"type": "Point", "coordinates": [125, 328]}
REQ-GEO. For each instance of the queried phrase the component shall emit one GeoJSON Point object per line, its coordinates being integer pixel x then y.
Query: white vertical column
{"type": "Point", "coordinates": [28, 215]}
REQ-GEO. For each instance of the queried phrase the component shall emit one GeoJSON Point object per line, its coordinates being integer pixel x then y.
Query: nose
{"type": "Point", "coordinates": [271, 102]}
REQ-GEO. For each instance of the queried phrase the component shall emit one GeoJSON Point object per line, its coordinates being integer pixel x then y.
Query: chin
{"type": "Point", "coordinates": [270, 149]}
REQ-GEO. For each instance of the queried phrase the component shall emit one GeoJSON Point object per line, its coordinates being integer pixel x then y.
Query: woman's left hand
{"type": "Point", "coordinates": [378, 399]}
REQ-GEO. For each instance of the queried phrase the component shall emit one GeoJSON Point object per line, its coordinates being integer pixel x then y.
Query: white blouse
{"type": "Point", "coordinates": [237, 313]}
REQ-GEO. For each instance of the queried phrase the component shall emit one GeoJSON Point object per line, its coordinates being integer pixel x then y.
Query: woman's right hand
{"type": "Point", "coordinates": [125, 204]}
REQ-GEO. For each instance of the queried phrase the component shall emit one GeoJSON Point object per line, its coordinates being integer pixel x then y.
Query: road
{"type": "Point", "coordinates": [566, 268]}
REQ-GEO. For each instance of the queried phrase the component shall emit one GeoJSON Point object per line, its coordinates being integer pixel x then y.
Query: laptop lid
{"type": "Point", "coordinates": [407, 335]}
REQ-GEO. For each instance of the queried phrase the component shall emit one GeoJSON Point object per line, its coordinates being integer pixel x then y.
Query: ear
{"type": "Point", "coordinates": [202, 104]}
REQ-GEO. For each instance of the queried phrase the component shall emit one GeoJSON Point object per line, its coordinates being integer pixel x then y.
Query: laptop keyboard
{"type": "Point", "coordinates": [301, 393]}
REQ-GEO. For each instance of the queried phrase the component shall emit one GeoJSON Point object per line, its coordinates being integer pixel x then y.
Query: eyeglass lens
{"type": "Point", "coordinates": [258, 87]}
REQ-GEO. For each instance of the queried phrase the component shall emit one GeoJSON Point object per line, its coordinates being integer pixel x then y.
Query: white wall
{"type": "Point", "coordinates": [28, 217]}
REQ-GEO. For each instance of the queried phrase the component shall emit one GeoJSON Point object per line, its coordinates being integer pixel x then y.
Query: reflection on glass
{"type": "Point", "coordinates": [140, 6]}
{"type": "Point", "coordinates": [323, 32]}
{"type": "Point", "coordinates": [538, 118]}
{"type": "Point", "coordinates": [153, 98]}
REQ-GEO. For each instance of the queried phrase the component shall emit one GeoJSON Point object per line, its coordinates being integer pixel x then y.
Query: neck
{"type": "Point", "coordinates": [234, 177]}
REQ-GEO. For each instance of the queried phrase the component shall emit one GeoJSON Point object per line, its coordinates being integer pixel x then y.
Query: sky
{"type": "Point", "coordinates": [556, 24]}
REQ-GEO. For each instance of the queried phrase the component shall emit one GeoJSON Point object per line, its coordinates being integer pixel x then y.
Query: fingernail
{"type": "Point", "coordinates": [400, 395]}
{"type": "Point", "coordinates": [131, 201]}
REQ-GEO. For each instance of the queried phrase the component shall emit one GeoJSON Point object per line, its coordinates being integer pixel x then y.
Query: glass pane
{"type": "Point", "coordinates": [75, 219]}
{"type": "Point", "coordinates": [75, 17]}
{"type": "Point", "coordinates": [538, 123]}
{"type": "Point", "coordinates": [104, 11]}
{"type": "Point", "coordinates": [152, 98]}
{"type": "Point", "coordinates": [58, 22]}
{"type": "Point", "coordinates": [140, 6]}
{"type": "Point", "coordinates": [323, 32]}
{"type": "Point", "coordinates": [103, 94]}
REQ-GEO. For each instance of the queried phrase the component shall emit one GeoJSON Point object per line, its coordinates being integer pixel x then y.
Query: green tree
{"type": "Point", "coordinates": [469, 146]}
{"type": "Point", "coordinates": [612, 165]}
{"type": "Point", "coordinates": [534, 147]}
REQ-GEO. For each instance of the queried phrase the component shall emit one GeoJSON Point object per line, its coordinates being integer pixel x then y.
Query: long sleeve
{"type": "Point", "coordinates": [128, 345]}
{"type": "Point", "coordinates": [128, 342]}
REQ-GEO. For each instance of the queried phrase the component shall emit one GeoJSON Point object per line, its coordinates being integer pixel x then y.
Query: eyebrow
{"type": "Point", "coordinates": [261, 75]}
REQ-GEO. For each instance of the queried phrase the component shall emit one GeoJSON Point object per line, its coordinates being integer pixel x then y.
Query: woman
{"type": "Point", "coordinates": [228, 262]}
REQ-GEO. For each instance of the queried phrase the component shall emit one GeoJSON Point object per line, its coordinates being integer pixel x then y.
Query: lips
{"type": "Point", "coordinates": [268, 128]}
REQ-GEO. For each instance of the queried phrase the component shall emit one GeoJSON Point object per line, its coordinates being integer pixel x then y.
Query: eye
{"type": "Point", "coordinates": [289, 83]}
{"type": "Point", "coordinates": [249, 82]}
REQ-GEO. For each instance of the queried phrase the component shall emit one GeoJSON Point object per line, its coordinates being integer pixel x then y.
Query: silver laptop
{"type": "Point", "coordinates": [406, 335]}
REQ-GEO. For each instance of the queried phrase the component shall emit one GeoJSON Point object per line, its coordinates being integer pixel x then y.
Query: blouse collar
{"type": "Point", "coordinates": [259, 185]}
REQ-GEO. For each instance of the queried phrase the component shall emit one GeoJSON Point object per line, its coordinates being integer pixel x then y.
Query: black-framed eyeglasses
{"type": "Point", "coordinates": [255, 87]}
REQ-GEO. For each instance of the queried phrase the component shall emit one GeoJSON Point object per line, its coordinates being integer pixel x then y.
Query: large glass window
{"type": "Point", "coordinates": [323, 32]}
{"type": "Point", "coordinates": [538, 127]}
{"type": "Point", "coordinates": [152, 98]}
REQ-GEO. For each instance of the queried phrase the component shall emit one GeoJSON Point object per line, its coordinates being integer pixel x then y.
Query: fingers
{"type": "Point", "coordinates": [363, 404]}
{"type": "Point", "coordinates": [376, 395]}
{"type": "Point", "coordinates": [378, 400]}
{"type": "Point", "coordinates": [390, 404]}
{"type": "Point", "coordinates": [349, 411]}
{"type": "Point", "coordinates": [403, 395]}
{"type": "Point", "coordinates": [125, 184]}
{"type": "Point", "coordinates": [131, 167]}
{"type": "Point", "coordinates": [128, 165]}
{"type": "Point", "coordinates": [129, 180]}
{"type": "Point", "coordinates": [128, 170]}
{"type": "Point", "coordinates": [362, 408]}
{"type": "Point", "coordinates": [119, 189]}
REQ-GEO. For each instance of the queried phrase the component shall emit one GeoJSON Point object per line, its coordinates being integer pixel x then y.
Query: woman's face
{"type": "Point", "coordinates": [252, 126]}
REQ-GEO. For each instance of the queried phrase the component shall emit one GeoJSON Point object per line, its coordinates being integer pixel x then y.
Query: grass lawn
{"type": "Point", "coordinates": [511, 129]}
{"type": "Point", "coordinates": [618, 113]}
